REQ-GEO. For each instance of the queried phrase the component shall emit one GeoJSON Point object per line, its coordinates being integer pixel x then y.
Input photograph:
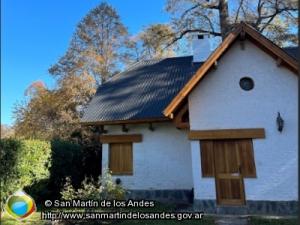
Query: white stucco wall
{"type": "Point", "coordinates": [161, 161]}
{"type": "Point", "coordinates": [218, 102]}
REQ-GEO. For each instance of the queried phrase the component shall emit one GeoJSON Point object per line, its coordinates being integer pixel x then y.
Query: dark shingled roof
{"type": "Point", "coordinates": [292, 51]}
{"type": "Point", "coordinates": [142, 91]}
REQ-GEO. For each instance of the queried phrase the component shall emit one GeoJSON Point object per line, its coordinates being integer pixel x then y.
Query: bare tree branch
{"type": "Point", "coordinates": [185, 32]}
{"type": "Point", "coordinates": [206, 6]}
{"type": "Point", "coordinates": [210, 23]}
{"type": "Point", "coordinates": [271, 17]}
{"type": "Point", "coordinates": [238, 11]}
{"type": "Point", "coordinates": [259, 9]}
{"type": "Point", "coordinates": [189, 10]}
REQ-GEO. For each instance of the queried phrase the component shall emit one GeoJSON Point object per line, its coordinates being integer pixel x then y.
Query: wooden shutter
{"type": "Point", "coordinates": [226, 156]}
{"type": "Point", "coordinates": [120, 158]}
{"type": "Point", "coordinates": [245, 160]}
{"type": "Point", "coordinates": [207, 158]}
{"type": "Point", "coordinates": [246, 154]}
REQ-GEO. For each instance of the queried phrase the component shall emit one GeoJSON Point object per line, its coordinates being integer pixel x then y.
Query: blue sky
{"type": "Point", "coordinates": [34, 34]}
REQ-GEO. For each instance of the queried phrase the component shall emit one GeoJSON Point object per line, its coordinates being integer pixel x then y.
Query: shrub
{"type": "Point", "coordinates": [105, 188]}
{"type": "Point", "coordinates": [109, 189]}
{"type": "Point", "coordinates": [92, 158]}
{"type": "Point", "coordinates": [41, 167]}
{"type": "Point", "coordinates": [23, 163]}
{"type": "Point", "coordinates": [66, 162]}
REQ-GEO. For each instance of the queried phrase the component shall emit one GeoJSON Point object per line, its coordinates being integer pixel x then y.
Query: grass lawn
{"type": "Point", "coordinates": [208, 220]}
{"type": "Point", "coordinates": [262, 221]}
{"type": "Point", "coordinates": [35, 219]}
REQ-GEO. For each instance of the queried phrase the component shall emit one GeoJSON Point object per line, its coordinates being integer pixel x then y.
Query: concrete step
{"type": "Point", "coordinates": [232, 220]}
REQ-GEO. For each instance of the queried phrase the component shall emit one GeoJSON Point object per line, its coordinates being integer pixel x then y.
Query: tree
{"type": "Point", "coordinates": [30, 114]}
{"type": "Point", "coordinates": [6, 131]}
{"type": "Point", "coordinates": [152, 42]}
{"type": "Point", "coordinates": [54, 113]}
{"type": "Point", "coordinates": [34, 117]}
{"type": "Point", "coordinates": [155, 39]}
{"type": "Point", "coordinates": [94, 54]}
{"type": "Point", "coordinates": [277, 19]}
{"type": "Point", "coordinates": [134, 51]}
{"type": "Point", "coordinates": [96, 47]}
{"type": "Point", "coordinates": [91, 58]}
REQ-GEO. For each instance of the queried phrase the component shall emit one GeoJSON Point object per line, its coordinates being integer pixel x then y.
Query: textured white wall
{"type": "Point", "coordinates": [161, 161]}
{"type": "Point", "coordinates": [218, 102]}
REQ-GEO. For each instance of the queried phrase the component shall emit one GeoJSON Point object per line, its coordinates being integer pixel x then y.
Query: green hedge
{"type": "Point", "coordinates": [23, 163]}
{"type": "Point", "coordinates": [67, 161]}
{"type": "Point", "coordinates": [41, 167]}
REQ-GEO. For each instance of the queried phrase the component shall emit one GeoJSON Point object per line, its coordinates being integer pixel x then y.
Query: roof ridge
{"type": "Point", "coordinates": [163, 58]}
{"type": "Point", "coordinates": [134, 65]}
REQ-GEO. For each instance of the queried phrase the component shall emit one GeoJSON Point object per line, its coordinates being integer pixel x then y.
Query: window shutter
{"type": "Point", "coordinates": [120, 158]}
{"type": "Point", "coordinates": [207, 158]}
{"type": "Point", "coordinates": [246, 154]}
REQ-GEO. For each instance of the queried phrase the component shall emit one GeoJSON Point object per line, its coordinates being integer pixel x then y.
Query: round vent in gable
{"type": "Point", "coordinates": [246, 83]}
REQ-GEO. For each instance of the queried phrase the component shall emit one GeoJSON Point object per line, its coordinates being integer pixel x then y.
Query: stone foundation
{"type": "Point", "coordinates": [278, 208]}
{"type": "Point", "coordinates": [164, 196]}
{"type": "Point", "coordinates": [273, 207]}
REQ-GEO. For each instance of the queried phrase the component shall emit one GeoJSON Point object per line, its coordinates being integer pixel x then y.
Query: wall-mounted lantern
{"type": "Point", "coordinates": [118, 181]}
{"type": "Point", "coordinates": [280, 122]}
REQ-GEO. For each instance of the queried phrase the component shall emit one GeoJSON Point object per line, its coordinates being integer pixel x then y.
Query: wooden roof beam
{"type": "Point", "coordinates": [279, 61]}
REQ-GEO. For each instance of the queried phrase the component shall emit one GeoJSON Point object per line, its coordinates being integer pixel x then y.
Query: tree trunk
{"type": "Point", "coordinates": [223, 15]}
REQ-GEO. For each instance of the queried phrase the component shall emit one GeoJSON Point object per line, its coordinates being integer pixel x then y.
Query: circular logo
{"type": "Point", "coordinates": [20, 205]}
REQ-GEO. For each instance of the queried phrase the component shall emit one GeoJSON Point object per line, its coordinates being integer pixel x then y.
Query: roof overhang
{"type": "Point", "coordinates": [243, 31]}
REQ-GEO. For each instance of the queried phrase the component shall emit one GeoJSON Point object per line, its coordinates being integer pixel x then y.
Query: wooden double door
{"type": "Point", "coordinates": [229, 162]}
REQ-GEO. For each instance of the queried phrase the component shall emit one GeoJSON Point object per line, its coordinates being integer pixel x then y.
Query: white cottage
{"type": "Point", "coordinates": [221, 132]}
